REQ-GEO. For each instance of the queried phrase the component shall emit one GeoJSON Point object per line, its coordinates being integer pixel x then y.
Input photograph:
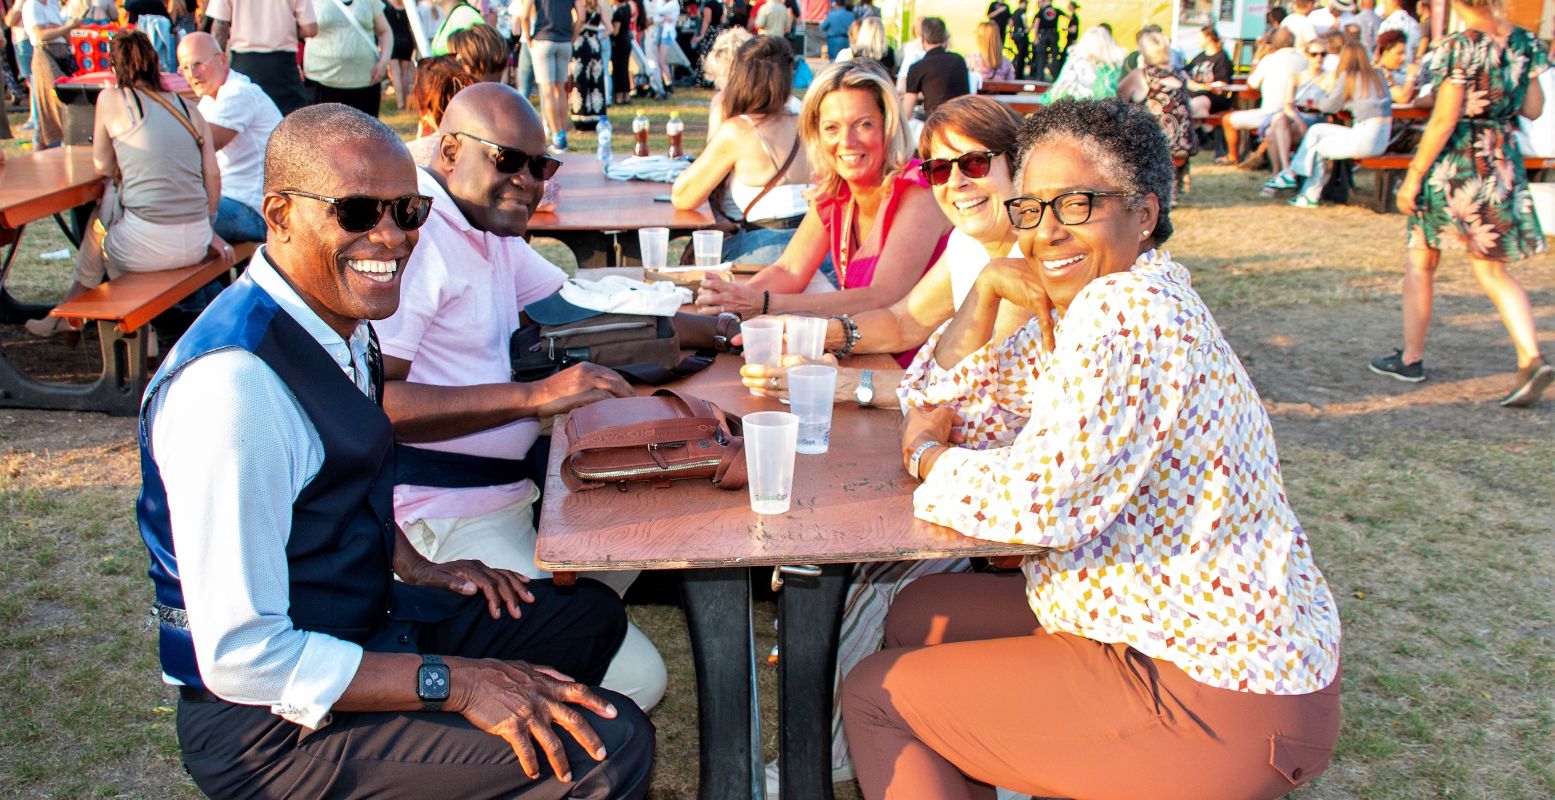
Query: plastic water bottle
{"type": "Point", "coordinates": [603, 130]}
{"type": "Point", "coordinates": [640, 131]}
{"type": "Point", "coordinates": [675, 128]}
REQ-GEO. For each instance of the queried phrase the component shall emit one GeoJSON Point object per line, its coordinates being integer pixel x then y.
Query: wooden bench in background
{"type": "Point", "coordinates": [1013, 87]}
{"type": "Point", "coordinates": [122, 308]}
{"type": "Point", "coordinates": [1390, 166]}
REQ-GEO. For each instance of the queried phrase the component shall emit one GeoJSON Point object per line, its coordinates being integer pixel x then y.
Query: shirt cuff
{"type": "Point", "coordinates": [938, 499]}
{"type": "Point", "coordinates": [324, 670]}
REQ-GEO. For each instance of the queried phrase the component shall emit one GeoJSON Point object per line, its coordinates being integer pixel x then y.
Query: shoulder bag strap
{"type": "Point", "coordinates": [772, 184]}
{"type": "Point", "coordinates": [351, 23]}
{"type": "Point", "coordinates": [731, 473]}
{"type": "Point", "coordinates": [183, 117]}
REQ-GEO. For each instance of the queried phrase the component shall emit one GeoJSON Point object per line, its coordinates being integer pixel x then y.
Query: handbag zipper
{"type": "Point", "coordinates": [633, 472]}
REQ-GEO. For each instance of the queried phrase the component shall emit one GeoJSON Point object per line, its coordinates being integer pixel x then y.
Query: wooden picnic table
{"type": "Point", "coordinates": [1014, 87]}
{"type": "Point", "coordinates": [34, 186]}
{"type": "Point", "coordinates": [849, 505]}
{"type": "Point", "coordinates": [593, 212]}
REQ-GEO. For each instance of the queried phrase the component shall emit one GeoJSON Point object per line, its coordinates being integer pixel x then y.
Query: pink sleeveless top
{"type": "Point", "coordinates": [857, 269]}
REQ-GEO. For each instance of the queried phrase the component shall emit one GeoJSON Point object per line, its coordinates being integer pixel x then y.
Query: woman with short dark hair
{"type": "Point", "coordinates": [1174, 616]}
{"type": "Point", "coordinates": [156, 151]}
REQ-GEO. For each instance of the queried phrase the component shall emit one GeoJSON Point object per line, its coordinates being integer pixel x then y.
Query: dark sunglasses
{"type": "Point", "coordinates": [360, 213]}
{"type": "Point", "coordinates": [1071, 208]}
{"type": "Point", "coordinates": [973, 165]}
{"type": "Point", "coordinates": [510, 160]}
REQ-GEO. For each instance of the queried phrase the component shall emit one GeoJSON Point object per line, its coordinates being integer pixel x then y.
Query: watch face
{"type": "Point", "coordinates": [432, 682]}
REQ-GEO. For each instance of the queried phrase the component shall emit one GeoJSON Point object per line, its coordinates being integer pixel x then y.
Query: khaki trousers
{"type": "Point", "coordinates": [975, 694]}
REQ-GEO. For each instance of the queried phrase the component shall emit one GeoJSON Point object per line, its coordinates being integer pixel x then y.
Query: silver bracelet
{"type": "Point", "coordinates": [914, 462]}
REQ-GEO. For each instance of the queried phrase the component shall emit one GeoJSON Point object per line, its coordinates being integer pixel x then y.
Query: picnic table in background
{"type": "Point", "coordinates": [849, 505]}
{"type": "Point", "coordinates": [1023, 103]}
{"type": "Point", "coordinates": [38, 185]}
{"type": "Point", "coordinates": [1014, 87]}
{"type": "Point", "coordinates": [597, 218]}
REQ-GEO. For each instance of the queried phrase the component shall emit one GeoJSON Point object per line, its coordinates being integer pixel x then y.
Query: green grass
{"type": "Point", "coordinates": [1427, 508]}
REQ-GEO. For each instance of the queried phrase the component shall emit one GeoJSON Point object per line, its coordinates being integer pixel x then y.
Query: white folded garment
{"type": "Point", "coordinates": [618, 294]}
{"type": "Point", "coordinates": [646, 168]}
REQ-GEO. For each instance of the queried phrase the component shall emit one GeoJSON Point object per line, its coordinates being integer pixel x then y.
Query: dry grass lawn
{"type": "Point", "coordinates": [1428, 507]}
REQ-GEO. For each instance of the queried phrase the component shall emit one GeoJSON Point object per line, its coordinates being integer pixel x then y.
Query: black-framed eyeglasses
{"type": "Point", "coordinates": [510, 160]}
{"type": "Point", "coordinates": [360, 213]}
{"type": "Point", "coordinates": [1071, 208]}
{"type": "Point", "coordinates": [975, 164]}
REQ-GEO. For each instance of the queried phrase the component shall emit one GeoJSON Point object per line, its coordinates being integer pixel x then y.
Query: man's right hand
{"type": "Point", "coordinates": [576, 386]}
{"type": "Point", "coordinates": [520, 702]}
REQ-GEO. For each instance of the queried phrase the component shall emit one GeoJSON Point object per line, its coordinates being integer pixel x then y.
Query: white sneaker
{"type": "Point", "coordinates": [838, 775]}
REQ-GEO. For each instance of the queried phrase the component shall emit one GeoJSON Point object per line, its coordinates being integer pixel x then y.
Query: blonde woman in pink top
{"type": "Point", "coordinates": [871, 211]}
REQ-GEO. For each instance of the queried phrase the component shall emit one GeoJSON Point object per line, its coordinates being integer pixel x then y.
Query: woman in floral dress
{"type": "Point", "coordinates": [1466, 188]}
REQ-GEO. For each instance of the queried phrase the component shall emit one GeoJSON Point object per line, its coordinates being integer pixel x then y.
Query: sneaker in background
{"type": "Point", "coordinates": [1531, 380]}
{"type": "Point", "coordinates": [1394, 367]}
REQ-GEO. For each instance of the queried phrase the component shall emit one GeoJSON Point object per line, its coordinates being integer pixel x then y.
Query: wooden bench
{"type": "Point", "coordinates": [1390, 166]}
{"type": "Point", "coordinates": [122, 308]}
{"type": "Point", "coordinates": [1013, 87]}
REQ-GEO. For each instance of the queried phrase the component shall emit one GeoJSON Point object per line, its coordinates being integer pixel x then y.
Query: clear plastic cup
{"type": "Point", "coordinates": [763, 339]}
{"type": "Point", "coordinates": [655, 245]}
{"type": "Point", "coordinates": [709, 248]}
{"type": "Point", "coordinates": [807, 336]}
{"type": "Point", "coordinates": [770, 437]}
{"type": "Point", "coordinates": [810, 391]}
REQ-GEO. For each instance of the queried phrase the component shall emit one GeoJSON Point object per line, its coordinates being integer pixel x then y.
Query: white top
{"type": "Point", "coordinates": [244, 108]}
{"type": "Point", "coordinates": [1322, 20]}
{"type": "Point", "coordinates": [235, 451]}
{"type": "Point", "coordinates": [1277, 76]}
{"type": "Point", "coordinates": [262, 26]}
{"type": "Point", "coordinates": [967, 258]}
{"type": "Point", "coordinates": [460, 298]}
{"type": "Point", "coordinates": [41, 14]}
{"type": "Point", "coordinates": [343, 53]}
{"type": "Point", "coordinates": [1301, 27]}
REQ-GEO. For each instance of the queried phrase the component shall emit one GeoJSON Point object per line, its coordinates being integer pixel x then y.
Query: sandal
{"type": "Point", "coordinates": [1227, 161]}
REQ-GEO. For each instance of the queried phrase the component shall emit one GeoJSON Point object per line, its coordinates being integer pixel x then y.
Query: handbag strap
{"type": "Point", "coordinates": [183, 118]}
{"type": "Point", "coordinates": [351, 23]}
{"type": "Point", "coordinates": [772, 184]}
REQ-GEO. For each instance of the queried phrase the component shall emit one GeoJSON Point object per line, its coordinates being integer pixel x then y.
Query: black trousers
{"type": "Point", "coordinates": [1022, 51]}
{"type": "Point", "coordinates": [365, 99]}
{"type": "Point", "coordinates": [1045, 56]}
{"type": "Point", "coordinates": [276, 73]}
{"type": "Point", "coordinates": [237, 751]}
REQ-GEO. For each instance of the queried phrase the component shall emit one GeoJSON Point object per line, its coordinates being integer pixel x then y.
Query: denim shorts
{"type": "Point", "coordinates": [550, 60]}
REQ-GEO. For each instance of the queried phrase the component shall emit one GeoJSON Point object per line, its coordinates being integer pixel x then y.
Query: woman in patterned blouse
{"type": "Point", "coordinates": [1176, 640]}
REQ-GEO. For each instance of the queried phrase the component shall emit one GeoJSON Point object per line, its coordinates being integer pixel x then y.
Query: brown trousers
{"type": "Point", "coordinates": [975, 694]}
{"type": "Point", "coordinates": [51, 130]}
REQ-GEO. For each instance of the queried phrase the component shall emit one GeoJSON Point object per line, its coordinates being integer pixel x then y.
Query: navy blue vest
{"type": "Point", "coordinates": [339, 554]}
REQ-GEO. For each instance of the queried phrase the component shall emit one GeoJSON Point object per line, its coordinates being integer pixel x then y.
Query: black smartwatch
{"type": "Point", "coordinates": [432, 683]}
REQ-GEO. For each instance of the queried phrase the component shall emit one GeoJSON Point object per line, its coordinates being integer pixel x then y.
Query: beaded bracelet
{"type": "Point", "coordinates": [766, 301]}
{"type": "Point", "coordinates": [850, 335]}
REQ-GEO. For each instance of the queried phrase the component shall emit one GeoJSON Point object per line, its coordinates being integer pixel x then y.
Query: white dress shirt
{"type": "Point", "coordinates": [235, 449]}
{"type": "Point", "coordinates": [242, 107]}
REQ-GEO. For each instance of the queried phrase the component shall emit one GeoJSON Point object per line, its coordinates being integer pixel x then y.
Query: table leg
{"type": "Point", "coordinates": [810, 610]}
{"type": "Point", "coordinates": [718, 614]}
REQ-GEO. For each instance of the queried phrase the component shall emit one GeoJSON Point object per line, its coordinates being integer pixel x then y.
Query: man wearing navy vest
{"type": "Point", "coordinates": [304, 669]}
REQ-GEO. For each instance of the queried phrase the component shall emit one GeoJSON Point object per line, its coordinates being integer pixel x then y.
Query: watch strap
{"type": "Point", "coordinates": [865, 393]}
{"type": "Point", "coordinates": [430, 704]}
{"type": "Point", "coordinates": [916, 460]}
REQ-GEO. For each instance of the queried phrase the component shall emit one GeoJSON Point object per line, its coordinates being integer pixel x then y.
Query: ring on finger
{"type": "Point", "coordinates": [773, 381]}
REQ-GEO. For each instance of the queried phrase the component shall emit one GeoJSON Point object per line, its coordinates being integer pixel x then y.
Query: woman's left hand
{"type": "Point", "coordinates": [773, 381]}
{"type": "Point", "coordinates": [222, 249]}
{"type": "Point", "coordinates": [718, 295]}
{"type": "Point", "coordinates": [928, 424]}
{"type": "Point", "coordinates": [1407, 193]}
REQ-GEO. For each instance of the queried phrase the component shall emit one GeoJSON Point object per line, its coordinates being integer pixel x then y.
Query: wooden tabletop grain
{"type": "Point", "coordinates": [851, 504]}
{"type": "Point", "coordinates": [588, 201]}
{"type": "Point", "coordinates": [37, 185]}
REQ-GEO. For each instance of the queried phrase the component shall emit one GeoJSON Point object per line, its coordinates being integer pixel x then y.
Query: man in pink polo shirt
{"type": "Point", "coordinates": [464, 426]}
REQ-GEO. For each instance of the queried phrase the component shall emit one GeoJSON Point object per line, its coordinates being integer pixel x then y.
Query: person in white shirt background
{"type": "Point", "coordinates": [1299, 24]}
{"type": "Point", "coordinates": [241, 118]}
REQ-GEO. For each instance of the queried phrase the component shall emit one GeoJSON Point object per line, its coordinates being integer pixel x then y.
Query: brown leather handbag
{"type": "Point", "coordinates": [659, 438]}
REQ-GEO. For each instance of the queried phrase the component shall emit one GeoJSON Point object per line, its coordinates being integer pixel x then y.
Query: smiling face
{"type": "Point", "coordinates": [1067, 257]}
{"type": "Point", "coordinates": [975, 205]}
{"type": "Point", "coordinates": [853, 136]}
{"type": "Point", "coordinates": [493, 201]}
{"type": "Point", "coordinates": [345, 277]}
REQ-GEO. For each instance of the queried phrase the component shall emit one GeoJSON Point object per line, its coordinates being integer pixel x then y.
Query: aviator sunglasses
{"type": "Point", "coordinates": [360, 213]}
{"type": "Point", "coordinates": [510, 160]}
{"type": "Point", "coordinates": [973, 165]}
